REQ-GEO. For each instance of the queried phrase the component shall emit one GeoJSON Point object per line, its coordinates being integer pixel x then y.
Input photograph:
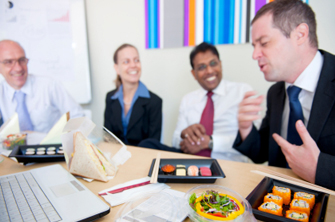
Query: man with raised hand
{"type": "Point", "coordinates": [286, 48]}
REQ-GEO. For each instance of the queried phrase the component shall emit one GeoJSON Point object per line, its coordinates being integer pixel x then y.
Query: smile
{"type": "Point", "coordinates": [133, 72]}
{"type": "Point", "coordinates": [211, 78]}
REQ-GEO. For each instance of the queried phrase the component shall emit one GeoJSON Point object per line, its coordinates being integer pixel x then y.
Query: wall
{"type": "Point", "coordinates": [166, 72]}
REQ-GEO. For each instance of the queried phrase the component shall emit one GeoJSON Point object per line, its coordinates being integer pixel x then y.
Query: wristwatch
{"type": "Point", "coordinates": [210, 144]}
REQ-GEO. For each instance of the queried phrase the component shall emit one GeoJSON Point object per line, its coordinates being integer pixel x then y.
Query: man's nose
{"type": "Point", "coordinates": [17, 66]}
{"type": "Point", "coordinates": [257, 53]}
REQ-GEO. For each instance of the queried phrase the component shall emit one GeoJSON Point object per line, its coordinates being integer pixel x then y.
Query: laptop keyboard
{"type": "Point", "coordinates": [21, 199]}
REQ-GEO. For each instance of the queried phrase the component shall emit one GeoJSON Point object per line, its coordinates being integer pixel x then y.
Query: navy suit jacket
{"type": "Point", "coordinates": [261, 147]}
{"type": "Point", "coordinates": [145, 120]}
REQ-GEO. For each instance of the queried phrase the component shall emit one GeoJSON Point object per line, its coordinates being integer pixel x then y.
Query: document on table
{"type": "Point", "coordinates": [156, 204]}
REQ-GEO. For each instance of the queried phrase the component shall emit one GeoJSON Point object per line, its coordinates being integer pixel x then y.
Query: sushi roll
{"type": "Point", "coordinates": [272, 208]}
{"type": "Point", "coordinates": [284, 192]}
{"type": "Point", "coordinates": [309, 198]}
{"type": "Point", "coordinates": [193, 171]}
{"type": "Point", "coordinates": [300, 205]}
{"type": "Point", "coordinates": [205, 172]}
{"type": "Point", "coordinates": [180, 170]}
{"type": "Point", "coordinates": [273, 198]}
{"type": "Point", "coordinates": [295, 215]}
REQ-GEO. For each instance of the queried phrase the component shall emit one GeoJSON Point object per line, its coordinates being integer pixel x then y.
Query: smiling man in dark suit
{"type": "Point", "coordinates": [286, 48]}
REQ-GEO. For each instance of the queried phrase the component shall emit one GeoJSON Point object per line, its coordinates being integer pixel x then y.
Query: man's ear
{"type": "Point", "coordinates": [194, 74]}
{"type": "Point", "coordinates": [301, 33]}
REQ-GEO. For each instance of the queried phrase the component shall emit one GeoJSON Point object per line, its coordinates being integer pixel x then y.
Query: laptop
{"type": "Point", "coordinates": [48, 194]}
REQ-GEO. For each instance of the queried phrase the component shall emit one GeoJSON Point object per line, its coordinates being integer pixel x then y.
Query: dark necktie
{"type": "Point", "coordinates": [295, 114]}
{"type": "Point", "coordinates": [207, 120]}
{"type": "Point", "coordinates": [22, 111]}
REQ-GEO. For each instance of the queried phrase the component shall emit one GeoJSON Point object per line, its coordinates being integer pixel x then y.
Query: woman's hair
{"type": "Point", "coordinates": [118, 80]}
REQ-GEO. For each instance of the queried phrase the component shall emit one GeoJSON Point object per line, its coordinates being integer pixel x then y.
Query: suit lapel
{"type": "Point", "coordinates": [117, 114]}
{"type": "Point", "coordinates": [137, 112]}
{"type": "Point", "coordinates": [276, 121]}
{"type": "Point", "coordinates": [324, 97]}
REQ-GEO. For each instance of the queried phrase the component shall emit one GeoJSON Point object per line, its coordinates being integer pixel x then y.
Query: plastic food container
{"type": "Point", "coordinates": [247, 216]}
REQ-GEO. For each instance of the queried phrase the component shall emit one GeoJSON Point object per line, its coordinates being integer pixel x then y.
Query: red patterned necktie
{"type": "Point", "coordinates": [207, 120]}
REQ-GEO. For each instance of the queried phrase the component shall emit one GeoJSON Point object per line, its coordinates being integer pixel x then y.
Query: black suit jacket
{"type": "Point", "coordinates": [145, 119]}
{"type": "Point", "coordinates": [260, 146]}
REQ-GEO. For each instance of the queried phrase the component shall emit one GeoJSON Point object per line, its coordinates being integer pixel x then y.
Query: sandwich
{"type": "Point", "coordinates": [88, 161]}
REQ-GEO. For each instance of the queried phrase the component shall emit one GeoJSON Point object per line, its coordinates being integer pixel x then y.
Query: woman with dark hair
{"type": "Point", "coordinates": [132, 113]}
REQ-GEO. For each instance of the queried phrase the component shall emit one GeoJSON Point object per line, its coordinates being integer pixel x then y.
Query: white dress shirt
{"type": "Point", "coordinates": [46, 101]}
{"type": "Point", "coordinates": [226, 98]}
{"type": "Point", "coordinates": [307, 81]}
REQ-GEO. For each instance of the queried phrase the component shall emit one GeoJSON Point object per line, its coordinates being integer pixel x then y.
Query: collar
{"type": "Point", "coordinates": [219, 90]}
{"type": "Point", "coordinates": [142, 91]}
{"type": "Point", "coordinates": [26, 88]}
{"type": "Point", "coordinates": [308, 79]}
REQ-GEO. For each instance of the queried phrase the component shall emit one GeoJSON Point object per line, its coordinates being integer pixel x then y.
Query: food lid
{"type": "Point", "coordinates": [153, 206]}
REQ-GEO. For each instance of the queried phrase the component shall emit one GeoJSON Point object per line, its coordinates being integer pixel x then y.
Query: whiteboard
{"type": "Point", "coordinates": [54, 37]}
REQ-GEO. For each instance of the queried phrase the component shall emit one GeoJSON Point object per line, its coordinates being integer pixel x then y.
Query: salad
{"type": "Point", "coordinates": [216, 206]}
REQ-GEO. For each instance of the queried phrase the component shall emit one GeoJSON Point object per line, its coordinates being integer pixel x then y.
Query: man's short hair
{"type": "Point", "coordinates": [288, 14]}
{"type": "Point", "coordinates": [203, 47]}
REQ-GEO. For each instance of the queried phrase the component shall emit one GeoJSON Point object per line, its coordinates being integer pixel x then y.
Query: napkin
{"type": "Point", "coordinates": [11, 126]}
{"type": "Point", "coordinates": [54, 135]}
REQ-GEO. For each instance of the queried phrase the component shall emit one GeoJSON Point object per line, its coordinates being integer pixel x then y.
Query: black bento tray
{"type": "Point", "coordinates": [19, 153]}
{"type": "Point", "coordinates": [256, 198]}
{"type": "Point", "coordinates": [212, 164]}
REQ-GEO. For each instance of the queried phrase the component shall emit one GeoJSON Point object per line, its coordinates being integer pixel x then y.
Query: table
{"type": "Point", "coordinates": [238, 175]}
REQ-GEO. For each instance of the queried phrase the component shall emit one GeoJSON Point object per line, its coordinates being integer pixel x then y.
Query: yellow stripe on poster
{"type": "Point", "coordinates": [191, 35]}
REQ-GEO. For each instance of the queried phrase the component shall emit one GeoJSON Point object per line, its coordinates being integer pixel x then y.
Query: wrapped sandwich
{"type": "Point", "coordinates": [88, 161]}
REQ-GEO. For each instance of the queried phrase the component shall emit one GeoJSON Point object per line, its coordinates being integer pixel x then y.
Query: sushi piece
{"type": "Point", "coordinates": [300, 205]}
{"type": "Point", "coordinates": [40, 152]}
{"type": "Point", "coordinates": [205, 171]}
{"type": "Point", "coordinates": [272, 208]}
{"type": "Point", "coordinates": [41, 149]}
{"type": "Point", "coordinates": [52, 148]}
{"type": "Point", "coordinates": [30, 152]}
{"type": "Point", "coordinates": [168, 168]}
{"type": "Point", "coordinates": [60, 152]}
{"type": "Point", "coordinates": [270, 197]}
{"type": "Point", "coordinates": [193, 171]}
{"type": "Point", "coordinates": [180, 170]}
{"type": "Point", "coordinates": [295, 215]}
{"type": "Point", "coordinates": [309, 198]}
{"type": "Point", "coordinates": [284, 192]}
{"type": "Point", "coordinates": [51, 152]}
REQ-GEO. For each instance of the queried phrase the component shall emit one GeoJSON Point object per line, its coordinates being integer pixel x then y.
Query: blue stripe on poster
{"type": "Point", "coordinates": [225, 25]}
{"type": "Point", "coordinates": [153, 23]}
{"type": "Point", "coordinates": [218, 22]}
{"type": "Point", "coordinates": [208, 21]}
{"type": "Point", "coordinates": [231, 21]}
{"type": "Point", "coordinates": [240, 25]}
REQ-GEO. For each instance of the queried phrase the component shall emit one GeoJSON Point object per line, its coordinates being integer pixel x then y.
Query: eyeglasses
{"type": "Point", "coordinates": [9, 63]}
{"type": "Point", "coordinates": [203, 67]}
